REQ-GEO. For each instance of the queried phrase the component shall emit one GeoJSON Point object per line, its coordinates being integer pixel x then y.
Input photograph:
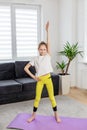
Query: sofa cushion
{"type": "Point", "coordinates": [9, 86]}
{"type": "Point", "coordinates": [55, 80]}
{"type": "Point", "coordinates": [19, 69]}
{"type": "Point", "coordinates": [7, 71]}
{"type": "Point", "coordinates": [28, 84]}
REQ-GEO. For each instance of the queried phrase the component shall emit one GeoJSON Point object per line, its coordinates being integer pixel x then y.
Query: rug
{"type": "Point", "coordinates": [47, 123]}
{"type": "Point", "coordinates": [67, 107]}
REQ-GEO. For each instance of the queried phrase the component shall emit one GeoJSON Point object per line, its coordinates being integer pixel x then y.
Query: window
{"type": "Point", "coordinates": [5, 33]}
{"type": "Point", "coordinates": [19, 31]}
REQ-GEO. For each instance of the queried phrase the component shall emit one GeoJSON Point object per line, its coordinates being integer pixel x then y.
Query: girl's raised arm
{"type": "Point", "coordinates": [47, 37]}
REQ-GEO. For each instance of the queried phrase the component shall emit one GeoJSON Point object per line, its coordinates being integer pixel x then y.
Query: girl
{"type": "Point", "coordinates": [43, 68]}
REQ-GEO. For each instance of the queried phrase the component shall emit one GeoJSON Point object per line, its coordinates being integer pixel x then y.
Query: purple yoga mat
{"type": "Point", "coordinates": [47, 123]}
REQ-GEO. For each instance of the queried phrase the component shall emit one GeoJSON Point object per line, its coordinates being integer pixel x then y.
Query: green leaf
{"type": "Point", "coordinates": [69, 51]}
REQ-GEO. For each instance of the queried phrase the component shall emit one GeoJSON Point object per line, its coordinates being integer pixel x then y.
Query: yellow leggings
{"type": "Point", "coordinates": [39, 87]}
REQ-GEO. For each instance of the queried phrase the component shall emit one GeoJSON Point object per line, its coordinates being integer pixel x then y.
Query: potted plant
{"type": "Point", "coordinates": [61, 66]}
{"type": "Point", "coordinates": [70, 52]}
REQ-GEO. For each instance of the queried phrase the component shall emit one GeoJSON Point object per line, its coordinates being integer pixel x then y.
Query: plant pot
{"type": "Point", "coordinates": [64, 84]}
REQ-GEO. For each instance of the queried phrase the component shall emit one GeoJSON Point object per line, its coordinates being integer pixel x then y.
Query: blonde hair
{"type": "Point", "coordinates": [42, 43]}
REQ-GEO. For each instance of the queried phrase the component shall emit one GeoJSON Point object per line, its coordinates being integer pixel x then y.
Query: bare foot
{"type": "Point", "coordinates": [57, 117]}
{"type": "Point", "coordinates": [31, 118]}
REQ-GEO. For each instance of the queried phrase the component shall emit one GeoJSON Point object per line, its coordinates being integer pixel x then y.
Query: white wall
{"type": "Point", "coordinates": [68, 30]}
{"type": "Point", "coordinates": [49, 9]}
{"type": "Point", "coordinates": [81, 66]}
{"type": "Point", "coordinates": [71, 28]}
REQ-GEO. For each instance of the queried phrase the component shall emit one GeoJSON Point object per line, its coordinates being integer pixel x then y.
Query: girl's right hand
{"type": "Point", "coordinates": [36, 78]}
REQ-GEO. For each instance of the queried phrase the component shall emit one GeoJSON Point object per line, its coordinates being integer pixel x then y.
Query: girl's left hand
{"type": "Point", "coordinates": [47, 25]}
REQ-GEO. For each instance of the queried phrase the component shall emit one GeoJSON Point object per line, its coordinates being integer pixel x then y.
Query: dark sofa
{"type": "Point", "coordinates": [16, 85]}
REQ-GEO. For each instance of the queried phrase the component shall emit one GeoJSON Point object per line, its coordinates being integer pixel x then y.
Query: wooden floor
{"type": "Point", "coordinates": [78, 94]}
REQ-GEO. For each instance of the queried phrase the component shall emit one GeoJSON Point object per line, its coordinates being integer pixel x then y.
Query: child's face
{"type": "Point", "coordinates": [42, 50]}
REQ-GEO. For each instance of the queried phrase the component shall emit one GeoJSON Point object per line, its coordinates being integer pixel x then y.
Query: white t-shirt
{"type": "Point", "coordinates": [42, 65]}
